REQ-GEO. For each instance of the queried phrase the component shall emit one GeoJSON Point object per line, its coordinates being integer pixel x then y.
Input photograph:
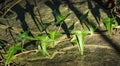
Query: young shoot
{"type": "Point", "coordinates": [45, 41]}
{"type": "Point", "coordinates": [78, 38]}
{"type": "Point", "coordinates": [59, 18]}
{"type": "Point", "coordinates": [11, 52]}
{"type": "Point", "coordinates": [109, 24]}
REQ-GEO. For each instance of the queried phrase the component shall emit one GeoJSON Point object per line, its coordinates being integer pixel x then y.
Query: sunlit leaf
{"type": "Point", "coordinates": [10, 54]}
{"type": "Point", "coordinates": [79, 39]}
{"type": "Point", "coordinates": [44, 42]}
{"type": "Point", "coordinates": [43, 49]}
{"type": "Point", "coordinates": [53, 35]}
{"type": "Point", "coordinates": [73, 40]}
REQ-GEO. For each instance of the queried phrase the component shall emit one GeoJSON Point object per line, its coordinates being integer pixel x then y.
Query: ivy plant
{"type": "Point", "coordinates": [109, 24]}
{"type": "Point", "coordinates": [59, 18]}
{"type": "Point", "coordinates": [45, 40]}
{"type": "Point", "coordinates": [78, 38]}
{"type": "Point", "coordinates": [11, 52]}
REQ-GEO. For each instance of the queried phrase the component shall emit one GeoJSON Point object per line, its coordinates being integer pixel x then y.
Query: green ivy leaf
{"type": "Point", "coordinates": [10, 54]}
{"type": "Point", "coordinates": [23, 36]}
{"type": "Point", "coordinates": [91, 27]}
{"type": "Point", "coordinates": [53, 35]}
{"type": "Point", "coordinates": [109, 22]}
{"type": "Point", "coordinates": [59, 18]}
{"type": "Point", "coordinates": [73, 40]}
{"type": "Point", "coordinates": [84, 16]}
{"type": "Point", "coordinates": [44, 41]}
{"type": "Point", "coordinates": [79, 39]}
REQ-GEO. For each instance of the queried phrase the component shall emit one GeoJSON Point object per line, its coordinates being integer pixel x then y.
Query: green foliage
{"type": "Point", "coordinates": [22, 36]}
{"type": "Point", "coordinates": [71, 27]}
{"type": "Point", "coordinates": [13, 49]}
{"type": "Point", "coordinates": [78, 38]}
{"type": "Point", "coordinates": [10, 54]}
{"type": "Point", "coordinates": [84, 16]}
{"type": "Point", "coordinates": [59, 18]}
{"type": "Point", "coordinates": [91, 27]}
{"type": "Point", "coordinates": [53, 36]}
{"type": "Point", "coordinates": [109, 24]}
{"type": "Point", "coordinates": [44, 42]}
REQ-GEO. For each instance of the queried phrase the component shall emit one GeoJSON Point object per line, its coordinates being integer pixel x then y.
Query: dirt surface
{"type": "Point", "coordinates": [99, 53]}
{"type": "Point", "coordinates": [100, 49]}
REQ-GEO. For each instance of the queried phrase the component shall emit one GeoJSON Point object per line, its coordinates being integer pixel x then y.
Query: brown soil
{"type": "Point", "coordinates": [98, 52]}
